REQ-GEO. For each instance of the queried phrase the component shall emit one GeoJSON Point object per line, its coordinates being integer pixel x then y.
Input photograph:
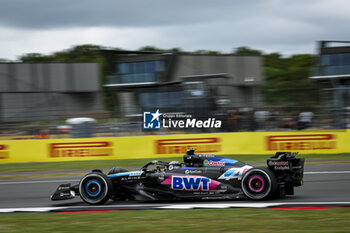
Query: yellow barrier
{"type": "Point", "coordinates": [53, 150]}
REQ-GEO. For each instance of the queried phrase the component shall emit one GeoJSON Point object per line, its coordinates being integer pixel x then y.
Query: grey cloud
{"type": "Point", "coordinates": [120, 13]}
{"type": "Point", "coordinates": [270, 25]}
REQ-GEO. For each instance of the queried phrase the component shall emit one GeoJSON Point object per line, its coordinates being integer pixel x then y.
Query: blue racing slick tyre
{"type": "Point", "coordinates": [95, 188]}
{"type": "Point", "coordinates": [259, 183]}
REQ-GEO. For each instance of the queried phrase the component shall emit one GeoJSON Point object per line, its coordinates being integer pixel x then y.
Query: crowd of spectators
{"type": "Point", "coordinates": [247, 119]}
{"type": "Point", "coordinates": [233, 120]}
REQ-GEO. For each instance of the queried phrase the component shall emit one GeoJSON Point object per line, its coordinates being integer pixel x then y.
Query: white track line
{"type": "Point", "coordinates": [177, 206]}
{"type": "Point", "coordinates": [246, 205]}
{"type": "Point", "coordinates": [30, 209]}
{"type": "Point", "coordinates": [217, 206]}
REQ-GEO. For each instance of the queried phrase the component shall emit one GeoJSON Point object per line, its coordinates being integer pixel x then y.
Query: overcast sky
{"type": "Point", "coordinates": [285, 26]}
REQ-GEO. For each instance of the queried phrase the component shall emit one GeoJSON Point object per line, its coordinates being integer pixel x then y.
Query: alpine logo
{"type": "Point", "coordinates": [190, 183]}
{"type": "Point", "coordinates": [235, 173]}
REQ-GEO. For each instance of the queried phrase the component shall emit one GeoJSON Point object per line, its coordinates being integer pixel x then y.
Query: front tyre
{"type": "Point", "coordinates": [259, 183]}
{"type": "Point", "coordinates": [95, 188]}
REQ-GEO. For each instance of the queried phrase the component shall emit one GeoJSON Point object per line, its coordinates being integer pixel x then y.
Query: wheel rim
{"type": "Point", "coordinates": [93, 188]}
{"type": "Point", "coordinates": [256, 184]}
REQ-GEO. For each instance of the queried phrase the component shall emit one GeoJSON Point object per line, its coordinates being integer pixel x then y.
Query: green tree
{"type": "Point", "coordinates": [246, 51]}
{"type": "Point", "coordinates": [287, 81]}
{"type": "Point", "coordinates": [176, 50]}
{"type": "Point", "coordinates": [35, 57]}
{"type": "Point", "coordinates": [207, 52]}
{"type": "Point", "coordinates": [155, 49]}
{"type": "Point", "coordinates": [151, 49]}
{"type": "Point", "coordinates": [80, 53]}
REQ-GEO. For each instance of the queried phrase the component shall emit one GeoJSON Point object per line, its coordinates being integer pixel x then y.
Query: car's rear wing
{"type": "Point", "coordinates": [283, 163]}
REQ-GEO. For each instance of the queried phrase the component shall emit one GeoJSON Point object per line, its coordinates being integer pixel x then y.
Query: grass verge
{"type": "Point", "coordinates": [214, 220]}
{"type": "Point", "coordinates": [72, 165]}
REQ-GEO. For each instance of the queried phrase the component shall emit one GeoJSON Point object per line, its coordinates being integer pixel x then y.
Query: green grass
{"type": "Point", "coordinates": [50, 166]}
{"type": "Point", "coordinates": [153, 221]}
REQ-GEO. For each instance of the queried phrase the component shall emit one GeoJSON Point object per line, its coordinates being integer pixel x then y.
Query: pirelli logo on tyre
{"type": "Point", "coordinates": [80, 149]}
{"type": "Point", "coordinates": [4, 153]}
{"type": "Point", "coordinates": [301, 142]}
{"type": "Point", "coordinates": [178, 146]}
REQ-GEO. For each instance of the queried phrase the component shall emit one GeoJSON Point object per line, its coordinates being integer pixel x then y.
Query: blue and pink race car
{"type": "Point", "coordinates": [200, 176]}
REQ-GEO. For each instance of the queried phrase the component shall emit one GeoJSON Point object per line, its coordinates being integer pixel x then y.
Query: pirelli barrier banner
{"type": "Point", "coordinates": [305, 142]}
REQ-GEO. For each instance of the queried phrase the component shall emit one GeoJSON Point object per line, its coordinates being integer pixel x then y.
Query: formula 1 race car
{"type": "Point", "coordinates": [201, 176]}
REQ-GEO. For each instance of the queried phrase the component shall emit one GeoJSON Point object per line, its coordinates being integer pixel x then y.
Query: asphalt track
{"type": "Point", "coordinates": [326, 183]}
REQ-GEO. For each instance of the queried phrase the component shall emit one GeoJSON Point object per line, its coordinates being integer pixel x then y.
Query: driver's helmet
{"type": "Point", "coordinates": [174, 165]}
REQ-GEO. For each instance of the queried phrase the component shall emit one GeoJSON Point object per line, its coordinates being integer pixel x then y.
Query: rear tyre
{"type": "Point", "coordinates": [95, 188]}
{"type": "Point", "coordinates": [259, 183]}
